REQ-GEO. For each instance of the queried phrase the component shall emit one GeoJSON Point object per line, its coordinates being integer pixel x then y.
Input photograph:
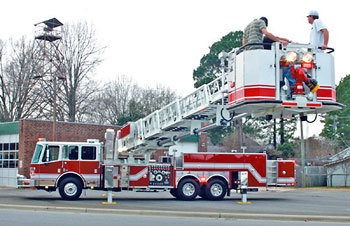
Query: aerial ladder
{"type": "Point", "coordinates": [251, 83]}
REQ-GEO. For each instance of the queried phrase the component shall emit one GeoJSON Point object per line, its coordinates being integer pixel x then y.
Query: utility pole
{"type": "Point", "coordinates": [302, 147]}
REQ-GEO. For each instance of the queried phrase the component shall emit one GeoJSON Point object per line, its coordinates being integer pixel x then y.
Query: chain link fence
{"type": "Point", "coordinates": [317, 176]}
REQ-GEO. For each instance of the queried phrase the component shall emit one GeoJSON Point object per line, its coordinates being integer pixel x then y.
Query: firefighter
{"type": "Point", "coordinates": [254, 32]}
{"type": "Point", "coordinates": [319, 34]}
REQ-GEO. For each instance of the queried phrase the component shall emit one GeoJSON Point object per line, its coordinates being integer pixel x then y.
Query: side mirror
{"type": "Point", "coordinates": [47, 155]}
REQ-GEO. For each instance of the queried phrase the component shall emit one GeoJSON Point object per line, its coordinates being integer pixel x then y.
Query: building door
{"type": "Point", "coordinates": [8, 163]}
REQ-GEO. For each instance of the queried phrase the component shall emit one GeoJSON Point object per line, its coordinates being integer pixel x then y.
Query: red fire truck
{"type": "Point", "coordinates": [252, 83]}
{"type": "Point", "coordinates": [73, 166]}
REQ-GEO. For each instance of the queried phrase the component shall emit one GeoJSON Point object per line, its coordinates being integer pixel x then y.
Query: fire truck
{"type": "Point", "coordinates": [251, 83]}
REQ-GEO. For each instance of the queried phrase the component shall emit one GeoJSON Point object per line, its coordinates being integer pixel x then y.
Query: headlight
{"type": "Point", "coordinates": [307, 57]}
{"type": "Point", "coordinates": [292, 56]}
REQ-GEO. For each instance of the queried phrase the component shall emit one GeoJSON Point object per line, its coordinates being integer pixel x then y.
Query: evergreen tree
{"type": "Point", "coordinates": [209, 69]}
{"type": "Point", "coordinates": [337, 123]}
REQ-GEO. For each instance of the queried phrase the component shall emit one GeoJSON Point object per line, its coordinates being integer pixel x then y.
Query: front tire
{"type": "Point", "coordinates": [187, 189]}
{"type": "Point", "coordinates": [70, 188]}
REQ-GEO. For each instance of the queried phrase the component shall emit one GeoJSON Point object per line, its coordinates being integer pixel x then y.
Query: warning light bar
{"type": "Point", "coordinates": [295, 104]}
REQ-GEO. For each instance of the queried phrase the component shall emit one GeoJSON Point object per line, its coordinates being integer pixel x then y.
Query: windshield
{"type": "Point", "coordinates": [37, 153]}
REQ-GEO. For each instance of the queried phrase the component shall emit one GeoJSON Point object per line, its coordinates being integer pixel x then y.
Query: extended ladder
{"type": "Point", "coordinates": [250, 84]}
{"type": "Point", "coordinates": [178, 119]}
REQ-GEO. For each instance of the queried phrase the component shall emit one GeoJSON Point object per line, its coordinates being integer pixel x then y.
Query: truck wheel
{"type": "Point", "coordinates": [216, 190]}
{"type": "Point", "coordinates": [173, 192]}
{"type": "Point", "coordinates": [202, 192]}
{"type": "Point", "coordinates": [70, 188]}
{"type": "Point", "coordinates": [188, 189]}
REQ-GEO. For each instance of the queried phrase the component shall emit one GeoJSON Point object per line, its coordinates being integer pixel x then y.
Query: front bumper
{"type": "Point", "coordinates": [23, 182]}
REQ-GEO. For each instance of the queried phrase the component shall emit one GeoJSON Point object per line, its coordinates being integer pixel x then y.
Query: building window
{"type": "Point", "coordinates": [8, 155]}
{"type": "Point", "coordinates": [12, 146]}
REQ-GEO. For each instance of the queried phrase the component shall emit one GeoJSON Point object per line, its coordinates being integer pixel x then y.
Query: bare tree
{"type": "Point", "coordinates": [22, 96]}
{"type": "Point", "coordinates": [122, 100]}
{"type": "Point", "coordinates": [112, 103]}
{"type": "Point", "coordinates": [19, 97]}
{"type": "Point", "coordinates": [81, 56]}
{"type": "Point", "coordinates": [156, 98]}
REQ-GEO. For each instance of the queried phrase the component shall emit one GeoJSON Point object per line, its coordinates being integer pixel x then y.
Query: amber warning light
{"type": "Point", "coordinates": [32, 170]}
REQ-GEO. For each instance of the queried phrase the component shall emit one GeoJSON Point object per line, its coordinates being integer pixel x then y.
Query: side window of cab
{"type": "Point", "coordinates": [70, 152]}
{"type": "Point", "coordinates": [88, 153]}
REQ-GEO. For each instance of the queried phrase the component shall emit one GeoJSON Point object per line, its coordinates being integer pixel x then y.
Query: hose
{"type": "Point", "coordinates": [312, 120]}
{"type": "Point", "coordinates": [227, 120]}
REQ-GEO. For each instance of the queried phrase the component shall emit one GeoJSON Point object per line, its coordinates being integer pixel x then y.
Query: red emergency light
{"type": "Point", "coordinates": [41, 139]}
{"type": "Point", "coordinates": [203, 179]}
{"type": "Point", "coordinates": [307, 65]}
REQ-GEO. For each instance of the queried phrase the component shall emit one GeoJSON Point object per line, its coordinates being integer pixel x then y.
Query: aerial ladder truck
{"type": "Point", "coordinates": [251, 83]}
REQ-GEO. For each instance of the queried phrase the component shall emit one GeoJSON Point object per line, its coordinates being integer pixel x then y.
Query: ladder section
{"type": "Point", "coordinates": [175, 119]}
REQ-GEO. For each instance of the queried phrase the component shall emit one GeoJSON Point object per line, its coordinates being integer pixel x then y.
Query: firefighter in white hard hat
{"type": "Point", "coordinates": [319, 34]}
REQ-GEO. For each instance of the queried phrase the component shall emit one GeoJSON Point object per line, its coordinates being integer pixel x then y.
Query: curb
{"type": "Point", "coordinates": [255, 216]}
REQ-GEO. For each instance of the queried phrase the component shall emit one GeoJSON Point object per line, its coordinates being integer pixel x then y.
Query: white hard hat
{"type": "Point", "coordinates": [313, 13]}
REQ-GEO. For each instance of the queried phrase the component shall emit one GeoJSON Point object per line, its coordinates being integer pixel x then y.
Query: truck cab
{"type": "Point", "coordinates": [70, 166]}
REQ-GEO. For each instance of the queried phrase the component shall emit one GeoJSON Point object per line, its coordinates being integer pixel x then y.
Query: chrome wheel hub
{"type": "Point", "coordinates": [70, 189]}
{"type": "Point", "coordinates": [188, 189]}
{"type": "Point", "coordinates": [216, 190]}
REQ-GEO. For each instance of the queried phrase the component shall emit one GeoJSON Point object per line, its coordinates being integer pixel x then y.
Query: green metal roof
{"type": "Point", "coordinates": [9, 128]}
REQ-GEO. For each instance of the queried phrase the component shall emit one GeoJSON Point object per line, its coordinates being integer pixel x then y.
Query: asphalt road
{"type": "Point", "coordinates": [39, 218]}
{"type": "Point", "coordinates": [276, 204]}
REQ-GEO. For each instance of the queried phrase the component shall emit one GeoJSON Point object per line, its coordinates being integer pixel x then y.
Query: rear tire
{"type": "Point", "coordinates": [70, 188]}
{"type": "Point", "coordinates": [187, 189]}
{"type": "Point", "coordinates": [202, 192]}
{"type": "Point", "coordinates": [173, 192]}
{"type": "Point", "coordinates": [216, 189]}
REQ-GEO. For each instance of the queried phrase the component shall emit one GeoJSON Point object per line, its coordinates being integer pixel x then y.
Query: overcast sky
{"type": "Point", "coordinates": [160, 41]}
